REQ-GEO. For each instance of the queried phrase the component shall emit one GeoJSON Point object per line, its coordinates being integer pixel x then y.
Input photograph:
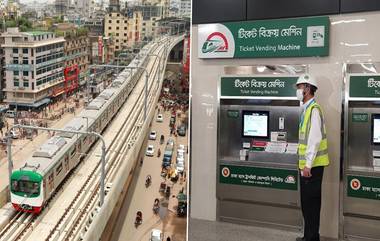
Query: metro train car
{"type": "Point", "coordinates": [42, 173]}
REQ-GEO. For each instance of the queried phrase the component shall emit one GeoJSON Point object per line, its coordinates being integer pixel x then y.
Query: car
{"type": "Point", "coordinates": [14, 134]}
{"type": "Point", "coordinates": [160, 118]}
{"type": "Point", "coordinates": [181, 130]}
{"type": "Point", "coordinates": [156, 235]}
{"type": "Point", "coordinates": [180, 167]}
{"type": "Point", "coordinates": [149, 150]}
{"type": "Point", "coordinates": [153, 135]}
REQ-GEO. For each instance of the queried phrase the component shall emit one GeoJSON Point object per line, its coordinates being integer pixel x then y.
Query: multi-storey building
{"type": "Point", "coordinates": [102, 50]}
{"type": "Point", "coordinates": [34, 63]}
{"type": "Point", "coordinates": [61, 6]}
{"type": "Point", "coordinates": [134, 28]}
{"type": "Point", "coordinates": [95, 27]}
{"type": "Point", "coordinates": [116, 26]}
{"type": "Point", "coordinates": [114, 6]}
{"type": "Point", "coordinates": [185, 8]}
{"type": "Point", "coordinates": [77, 51]}
{"type": "Point", "coordinates": [150, 14]}
{"type": "Point", "coordinates": [83, 6]}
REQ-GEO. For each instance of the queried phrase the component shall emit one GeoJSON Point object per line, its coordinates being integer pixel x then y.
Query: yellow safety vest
{"type": "Point", "coordinates": [322, 158]}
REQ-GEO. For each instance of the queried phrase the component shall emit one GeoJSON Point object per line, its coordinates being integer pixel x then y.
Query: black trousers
{"type": "Point", "coordinates": [311, 195]}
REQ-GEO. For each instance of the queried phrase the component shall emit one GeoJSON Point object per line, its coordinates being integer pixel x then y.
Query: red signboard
{"type": "Point", "coordinates": [100, 48]}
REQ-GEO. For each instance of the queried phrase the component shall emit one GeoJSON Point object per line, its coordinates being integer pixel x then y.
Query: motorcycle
{"type": "Point", "coordinates": [148, 181]}
{"type": "Point", "coordinates": [156, 206]}
{"type": "Point", "coordinates": [159, 153]}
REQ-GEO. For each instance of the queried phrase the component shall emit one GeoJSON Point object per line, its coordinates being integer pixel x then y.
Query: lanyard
{"type": "Point", "coordinates": [303, 113]}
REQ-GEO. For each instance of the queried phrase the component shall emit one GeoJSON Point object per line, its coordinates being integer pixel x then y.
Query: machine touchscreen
{"type": "Point", "coordinates": [255, 124]}
{"type": "Point", "coordinates": [376, 129]}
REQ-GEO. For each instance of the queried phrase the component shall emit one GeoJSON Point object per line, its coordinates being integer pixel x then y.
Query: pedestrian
{"type": "Point", "coordinates": [168, 239]}
{"type": "Point", "coordinates": [313, 156]}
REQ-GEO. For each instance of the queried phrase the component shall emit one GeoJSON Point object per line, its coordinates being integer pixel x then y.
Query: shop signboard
{"type": "Point", "coordinates": [364, 86]}
{"type": "Point", "coordinates": [259, 177]}
{"type": "Point", "coordinates": [275, 86]}
{"type": "Point", "coordinates": [296, 37]}
{"type": "Point", "coordinates": [363, 187]}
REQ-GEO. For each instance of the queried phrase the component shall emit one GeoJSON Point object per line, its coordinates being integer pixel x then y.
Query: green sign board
{"type": "Point", "coordinates": [365, 86]}
{"type": "Point", "coordinates": [258, 86]}
{"type": "Point", "coordinates": [363, 187]}
{"type": "Point", "coordinates": [296, 37]}
{"type": "Point", "coordinates": [359, 117]}
{"type": "Point", "coordinates": [233, 114]}
{"type": "Point", "coordinates": [258, 176]}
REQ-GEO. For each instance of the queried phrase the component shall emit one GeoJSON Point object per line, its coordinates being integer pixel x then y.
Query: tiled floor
{"type": "Point", "coordinates": [200, 230]}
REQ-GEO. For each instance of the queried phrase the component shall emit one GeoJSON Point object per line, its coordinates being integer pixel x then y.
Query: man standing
{"type": "Point", "coordinates": [313, 156]}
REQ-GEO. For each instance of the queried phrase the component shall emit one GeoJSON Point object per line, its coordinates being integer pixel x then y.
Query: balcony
{"type": "Point", "coordinates": [51, 62]}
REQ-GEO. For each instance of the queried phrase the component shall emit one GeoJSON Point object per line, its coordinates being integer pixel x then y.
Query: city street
{"type": "Point", "coordinates": [23, 147]}
{"type": "Point", "coordinates": [140, 198]}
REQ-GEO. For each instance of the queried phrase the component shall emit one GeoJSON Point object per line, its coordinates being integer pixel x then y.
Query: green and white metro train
{"type": "Point", "coordinates": [33, 184]}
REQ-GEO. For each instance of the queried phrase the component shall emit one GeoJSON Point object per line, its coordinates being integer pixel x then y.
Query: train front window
{"type": "Point", "coordinates": [26, 187]}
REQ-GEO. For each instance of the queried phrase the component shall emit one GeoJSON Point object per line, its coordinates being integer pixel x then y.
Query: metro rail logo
{"type": "Point", "coordinates": [355, 184]}
{"type": "Point", "coordinates": [290, 179]}
{"type": "Point", "coordinates": [226, 172]}
{"type": "Point", "coordinates": [216, 42]}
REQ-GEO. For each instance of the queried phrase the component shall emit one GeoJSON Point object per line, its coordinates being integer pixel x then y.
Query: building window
{"type": "Point", "coordinates": [125, 34]}
{"type": "Point", "coordinates": [15, 51]}
{"type": "Point", "coordinates": [117, 21]}
{"type": "Point", "coordinates": [117, 28]}
{"type": "Point", "coordinates": [26, 83]}
{"type": "Point", "coordinates": [25, 51]}
{"type": "Point", "coordinates": [117, 34]}
{"type": "Point", "coordinates": [144, 24]}
{"type": "Point", "coordinates": [125, 21]}
{"type": "Point", "coordinates": [15, 73]}
{"type": "Point", "coordinates": [125, 28]}
{"type": "Point", "coordinates": [16, 82]}
{"type": "Point", "coordinates": [125, 40]}
{"type": "Point", "coordinates": [25, 61]}
{"type": "Point", "coordinates": [25, 73]}
{"type": "Point", "coordinates": [110, 21]}
{"type": "Point", "coordinates": [118, 15]}
{"type": "Point", "coordinates": [109, 34]}
{"type": "Point", "coordinates": [109, 28]}
{"type": "Point", "coordinates": [15, 60]}
{"type": "Point", "coordinates": [117, 40]}
{"type": "Point", "coordinates": [117, 47]}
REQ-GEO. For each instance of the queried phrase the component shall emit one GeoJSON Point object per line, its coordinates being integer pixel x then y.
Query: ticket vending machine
{"type": "Point", "coordinates": [258, 122]}
{"type": "Point", "coordinates": [361, 152]}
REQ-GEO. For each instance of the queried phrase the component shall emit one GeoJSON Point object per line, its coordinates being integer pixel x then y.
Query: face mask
{"type": "Point", "coordinates": [299, 94]}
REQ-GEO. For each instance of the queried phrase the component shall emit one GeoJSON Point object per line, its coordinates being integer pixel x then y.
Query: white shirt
{"type": "Point", "coordinates": [315, 135]}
